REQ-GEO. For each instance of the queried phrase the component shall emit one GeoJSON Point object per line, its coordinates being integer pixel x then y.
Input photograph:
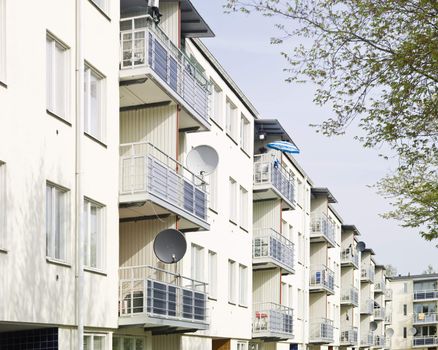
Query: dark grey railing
{"type": "Point", "coordinates": [272, 320]}
{"type": "Point", "coordinates": [322, 277]}
{"type": "Point", "coordinates": [321, 330]}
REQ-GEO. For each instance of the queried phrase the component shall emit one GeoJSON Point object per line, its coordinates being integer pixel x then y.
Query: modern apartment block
{"type": "Point", "coordinates": [413, 312]}
{"type": "Point", "coordinates": [94, 165]}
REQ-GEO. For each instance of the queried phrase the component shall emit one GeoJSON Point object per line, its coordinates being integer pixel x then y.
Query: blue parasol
{"type": "Point", "coordinates": [284, 146]}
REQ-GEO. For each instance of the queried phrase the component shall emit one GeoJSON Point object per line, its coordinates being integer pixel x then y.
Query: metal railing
{"type": "Point", "coordinates": [367, 273]}
{"type": "Point", "coordinates": [321, 330]}
{"type": "Point", "coordinates": [271, 319]}
{"type": "Point", "coordinates": [425, 341]}
{"type": "Point", "coordinates": [268, 171]}
{"type": "Point", "coordinates": [158, 293]}
{"type": "Point", "coordinates": [350, 296]}
{"type": "Point", "coordinates": [350, 256]}
{"type": "Point", "coordinates": [425, 294]}
{"type": "Point", "coordinates": [268, 243]}
{"type": "Point", "coordinates": [146, 169]}
{"type": "Point", "coordinates": [349, 336]}
{"type": "Point", "coordinates": [379, 285]}
{"type": "Point", "coordinates": [367, 340]}
{"type": "Point", "coordinates": [367, 307]}
{"type": "Point", "coordinates": [388, 316]}
{"type": "Point", "coordinates": [321, 225]}
{"type": "Point", "coordinates": [431, 317]}
{"type": "Point", "coordinates": [379, 313]}
{"type": "Point", "coordinates": [388, 294]}
{"type": "Point", "coordinates": [379, 341]}
{"type": "Point", "coordinates": [322, 277]}
{"type": "Point", "coordinates": [144, 44]}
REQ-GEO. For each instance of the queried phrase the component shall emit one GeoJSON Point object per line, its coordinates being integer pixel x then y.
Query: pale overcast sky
{"type": "Point", "coordinates": [341, 164]}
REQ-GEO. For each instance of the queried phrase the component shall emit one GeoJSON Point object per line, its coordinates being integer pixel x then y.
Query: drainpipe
{"type": "Point", "coordinates": [79, 71]}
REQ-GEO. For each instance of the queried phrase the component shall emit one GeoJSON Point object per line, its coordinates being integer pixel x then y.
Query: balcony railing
{"type": "Point", "coordinates": [269, 246]}
{"type": "Point", "coordinates": [425, 341]}
{"type": "Point", "coordinates": [349, 337]}
{"type": "Point", "coordinates": [322, 226]}
{"type": "Point", "coordinates": [379, 341]}
{"type": "Point", "coordinates": [367, 340]}
{"type": "Point", "coordinates": [269, 173]}
{"type": "Point", "coordinates": [350, 257]}
{"type": "Point", "coordinates": [425, 294]}
{"type": "Point", "coordinates": [379, 285]}
{"type": "Point", "coordinates": [388, 316]}
{"type": "Point", "coordinates": [271, 320]}
{"type": "Point", "coordinates": [367, 274]}
{"type": "Point", "coordinates": [388, 294]}
{"type": "Point", "coordinates": [144, 45]}
{"type": "Point", "coordinates": [148, 173]}
{"type": "Point", "coordinates": [367, 307]}
{"type": "Point", "coordinates": [322, 278]}
{"type": "Point", "coordinates": [147, 293]}
{"type": "Point", "coordinates": [379, 313]}
{"type": "Point", "coordinates": [350, 296]}
{"type": "Point", "coordinates": [421, 318]}
{"type": "Point", "coordinates": [321, 331]}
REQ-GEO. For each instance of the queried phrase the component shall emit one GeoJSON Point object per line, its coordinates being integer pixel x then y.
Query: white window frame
{"type": "Point", "coordinates": [54, 238]}
{"type": "Point", "coordinates": [213, 181]}
{"type": "Point", "coordinates": [100, 235]}
{"type": "Point", "coordinates": [3, 18]}
{"type": "Point", "coordinates": [92, 336]}
{"type": "Point", "coordinates": [233, 200]}
{"type": "Point", "coordinates": [245, 130]}
{"type": "Point", "coordinates": [242, 345]}
{"type": "Point", "coordinates": [212, 274]}
{"type": "Point", "coordinates": [243, 285]}
{"type": "Point", "coordinates": [244, 205]}
{"type": "Point", "coordinates": [232, 282]}
{"type": "Point", "coordinates": [197, 267]}
{"type": "Point", "coordinates": [132, 338]}
{"type": "Point", "coordinates": [99, 134]}
{"type": "Point", "coordinates": [217, 104]}
{"type": "Point", "coordinates": [3, 206]}
{"type": "Point", "coordinates": [230, 118]}
{"type": "Point", "coordinates": [52, 88]}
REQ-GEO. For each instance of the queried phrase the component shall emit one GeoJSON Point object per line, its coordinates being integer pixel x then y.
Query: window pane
{"type": "Point", "coordinates": [49, 74]}
{"type": "Point", "coordinates": [128, 344]}
{"type": "Point", "coordinates": [93, 236]}
{"type": "Point", "coordinates": [60, 85]}
{"type": "Point", "coordinates": [48, 220]}
{"type": "Point", "coordinates": [58, 224]}
{"type": "Point", "coordinates": [98, 343]}
{"type": "Point", "coordinates": [87, 342]}
{"type": "Point", "coordinates": [86, 236]}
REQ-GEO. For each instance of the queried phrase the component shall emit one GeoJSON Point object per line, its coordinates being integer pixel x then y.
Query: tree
{"type": "Point", "coordinates": [375, 62]}
{"type": "Point", "coordinates": [430, 270]}
{"type": "Point", "coordinates": [391, 271]}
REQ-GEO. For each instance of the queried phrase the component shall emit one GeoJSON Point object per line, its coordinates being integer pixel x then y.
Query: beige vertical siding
{"type": "Point", "coordinates": [318, 254]}
{"type": "Point", "coordinates": [166, 342]}
{"type": "Point", "coordinates": [169, 21]}
{"type": "Point", "coordinates": [317, 305]}
{"type": "Point", "coordinates": [156, 125]}
{"type": "Point", "coordinates": [266, 286]}
{"type": "Point", "coordinates": [267, 214]}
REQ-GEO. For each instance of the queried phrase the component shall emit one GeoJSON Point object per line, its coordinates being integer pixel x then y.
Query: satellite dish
{"type": "Point", "coordinates": [361, 246]}
{"type": "Point", "coordinates": [412, 331]}
{"type": "Point", "coordinates": [373, 326]}
{"type": "Point", "coordinates": [170, 246]}
{"type": "Point", "coordinates": [202, 160]}
{"type": "Point", "coordinates": [389, 332]}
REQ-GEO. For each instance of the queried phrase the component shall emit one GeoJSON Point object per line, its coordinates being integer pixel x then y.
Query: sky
{"type": "Point", "coordinates": [242, 46]}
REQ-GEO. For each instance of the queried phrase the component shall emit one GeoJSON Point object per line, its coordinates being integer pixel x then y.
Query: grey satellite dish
{"type": "Point", "coordinates": [361, 246]}
{"type": "Point", "coordinates": [389, 332]}
{"type": "Point", "coordinates": [170, 246]}
{"type": "Point", "coordinates": [412, 331]}
{"type": "Point", "coordinates": [373, 326]}
{"type": "Point", "coordinates": [202, 160]}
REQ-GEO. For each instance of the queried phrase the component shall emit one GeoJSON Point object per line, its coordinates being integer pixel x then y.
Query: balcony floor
{"type": "Point", "coordinates": [267, 263]}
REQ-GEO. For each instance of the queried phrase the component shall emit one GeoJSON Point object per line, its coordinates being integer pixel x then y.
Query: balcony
{"type": "Point", "coordinates": [424, 342]}
{"type": "Point", "coordinates": [388, 294]}
{"type": "Point", "coordinates": [321, 331]}
{"type": "Point", "coordinates": [367, 340]}
{"type": "Point", "coordinates": [367, 274]}
{"type": "Point", "coordinates": [379, 341]}
{"type": "Point", "coordinates": [322, 230]}
{"type": "Point", "coordinates": [152, 184]}
{"type": "Point", "coordinates": [350, 257]}
{"type": "Point", "coordinates": [272, 321]}
{"type": "Point", "coordinates": [322, 279]}
{"type": "Point", "coordinates": [379, 313]}
{"type": "Point", "coordinates": [350, 296]}
{"type": "Point", "coordinates": [150, 297]}
{"type": "Point", "coordinates": [425, 318]}
{"type": "Point", "coordinates": [153, 70]}
{"type": "Point", "coordinates": [270, 249]}
{"type": "Point", "coordinates": [367, 307]}
{"type": "Point", "coordinates": [272, 181]}
{"type": "Point", "coordinates": [420, 295]}
{"type": "Point", "coordinates": [349, 337]}
{"type": "Point", "coordinates": [379, 286]}
{"type": "Point", "coordinates": [388, 316]}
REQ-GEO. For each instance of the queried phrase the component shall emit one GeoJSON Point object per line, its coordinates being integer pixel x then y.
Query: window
{"type": "Point", "coordinates": [405, 287]}
{"type": "Point", "coordinates": [284, 291]}
{"type": "Point", "coordinates": [301, 248]}
{"type": "Point", "coordinates": [241, 346]}
{"type": "Point", "coordinates": [93, 103]}
{"type": "Point", "coordinates": [57, 222]}
{"type": "Point", "coordinates": [245, 133]}
{"type": "Point", "coordinates": [231, 281]}
{"type": "Point", "coordinates": [128, 343]}
{"type": "Point", "coordinates": [290, 296]}
{"type": "Point", "coordinates": [2, 204]}
{"type": "Point", "coordinates": [243, 285]}
{"type": "Point", "coordinates": [94, 342]}
{"type": "Point", "coordinates": [197, 262]}
{"type": "Point", "coordinates": [405, 332]}
{"type": "Point", "coordinates": [213, 181]}
{"type": "Point", "coordinates": [93, 234]}
{"type": "Point", "coordinates": [56, 76]}
{"type": "Point", "coordinates": [405, 310]}
{"type": "Point", "coordinates": [217, 104]}
{"type": "Point", "coordinates": [230, 126]}
{"type": "Point", "coordinates": [243, 208]}
{"type": "Point", "coordinates": [300, 304]}
{"type": "Point", "coordinates": [212, 274]}
{"type": "Point", "coordinates": [233, 200]}
{"type": "Point", "coordinates": [300, 193]}
{"type": "Point", "coordinates": [3, 40]}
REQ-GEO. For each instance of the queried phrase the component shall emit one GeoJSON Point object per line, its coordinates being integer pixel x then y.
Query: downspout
{"type": "Point", "coordinates": [79, 70]}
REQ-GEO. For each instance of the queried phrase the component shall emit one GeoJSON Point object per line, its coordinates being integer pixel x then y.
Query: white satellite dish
{"type": "Point", "coordinates": [412, 331]}
{"type": "Point", "coordinates": [373, 325]}
{"type": "Point", "coordinates": [389, 332]}
{"type": "Point", "coordinates": [202, 160]}
{"type": "Point", "coordinates": [170, 246]}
